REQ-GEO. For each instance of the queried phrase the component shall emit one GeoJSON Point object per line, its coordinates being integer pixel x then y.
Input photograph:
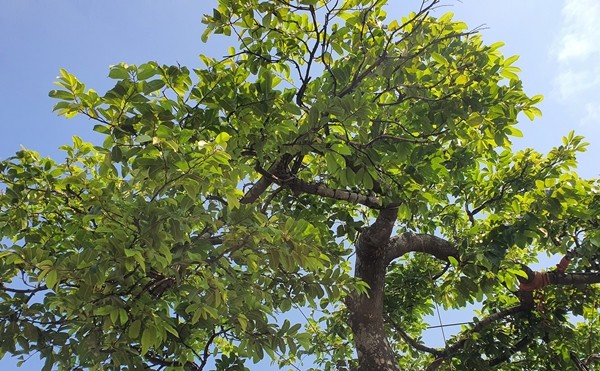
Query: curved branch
{"type": "Point", "coordinates": [425, 243]}
{"type": "Point", "coordinates": [379, 232]}
{"type": "Point", "coordinates": [412, 342]}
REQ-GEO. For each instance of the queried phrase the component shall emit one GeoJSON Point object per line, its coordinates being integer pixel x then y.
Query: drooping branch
{"type": "Point", "coordinates": [412, 342]}
{"type": "Point", "coordinates": [425, 243]}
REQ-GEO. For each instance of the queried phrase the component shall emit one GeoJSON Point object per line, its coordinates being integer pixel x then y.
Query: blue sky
{"type": "Point", "coordinates": [558, 42]}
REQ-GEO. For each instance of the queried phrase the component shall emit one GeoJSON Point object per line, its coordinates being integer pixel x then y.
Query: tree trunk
{"type": "Point", "coordinates": [366, 321]}
{"type": "Point", "coordinates": [366, 311]}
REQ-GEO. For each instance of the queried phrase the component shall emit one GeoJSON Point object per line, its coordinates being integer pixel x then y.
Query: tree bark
{"type": "Point", "coordinates": [366, 310]}
{"type": "Point", "coordinates": [424, 243]}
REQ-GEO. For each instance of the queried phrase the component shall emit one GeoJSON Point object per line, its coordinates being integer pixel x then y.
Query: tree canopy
{"type": "Point", "coordinates": [337, 162]}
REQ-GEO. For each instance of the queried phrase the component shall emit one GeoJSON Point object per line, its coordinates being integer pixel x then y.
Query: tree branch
{"type": "Point", "coordinates": [425, 243]}
{"type": "Point", "coordinates": [256, 190]}
{"type": "Point", "coordinates": [412, 342]}
{"type": "Point", "coordinates": [300, 186]}
{"type": "Point", "coordinates": [519, 346]}
{"type": "Point", "coordinates": [379, 232]}
{"type": "Point", "coordinates": [537, 280]}
{"type": "Point", "coordinates": [482, 324]}
{"type": "Point", "coordinates": [23, 291]}
{"type": "Point", "coordinates": [268, 178]}
{"type": "Point", "coordinates": [573, 278]}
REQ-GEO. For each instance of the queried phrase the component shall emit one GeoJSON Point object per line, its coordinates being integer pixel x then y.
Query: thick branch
{"type": "Point", "coordinates": [537, 280]}
{"type": "Point", "coordinates": [256, 190]}
{"type": "Point", "coordinates": [268, 178]}
{"type": "Point", "coordinates": [299, 186]}
{"type": "Point", "coordinates": [366, 311]}
{"type": "Point", "coordinates": [425, 243]}
{"type": "Point", "coordinates": [573, 278]}
{"type": "Point", "coordinates": [379, 232]}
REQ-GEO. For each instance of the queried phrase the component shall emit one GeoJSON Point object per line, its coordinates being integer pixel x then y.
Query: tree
{"type": "Point", "coordinates": [224, 197]}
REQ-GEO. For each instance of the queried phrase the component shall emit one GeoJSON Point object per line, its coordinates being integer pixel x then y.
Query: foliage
{"type": "Point", "coordinates": [226, 196]}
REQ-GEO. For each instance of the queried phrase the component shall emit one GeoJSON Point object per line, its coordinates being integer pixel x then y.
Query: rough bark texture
{"type": "Point", "coordinates": [412, 242]}
{"type": "Point", "coordinates": [299, 186]}
{"type": "Point", "coordinates": [366, 311]}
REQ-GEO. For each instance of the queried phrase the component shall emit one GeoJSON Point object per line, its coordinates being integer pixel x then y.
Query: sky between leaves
{"type": "Point", "coordinates": [557, 42]}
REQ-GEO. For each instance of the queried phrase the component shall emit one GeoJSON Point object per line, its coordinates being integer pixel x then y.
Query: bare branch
{"type": "Point", "coordinates": [412, 342]}
{"type": "Point", "coordinates": [23, 291]}
{"type": "Point", "coordinates": [299, 186]}
{"type": "Point", "coordinates": [256, 190]}
{"type": "Point", "coordinates": [306, 78]}
{"type": "Point", "coordinates": [268, 178]}
{"type": "Point", "coordinates": [206, 352]}
{"type": "Point", "coordinates": [537, 280]}
{"type": "Point", "coordinates": [425, 243]}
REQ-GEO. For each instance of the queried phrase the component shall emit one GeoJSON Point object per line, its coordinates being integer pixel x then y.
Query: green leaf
{"type": "Point", "coordinates": [146, 71]}
{"type": "Point", "coordinates": [439, 58]}
{"type": "Point", "coordinates": [453, 261]}
{"type": "Point", "coordinates": [510, 60]}
{"type": "Point", "coordinates": [52, 279]}
{"type": "Point", "coordinates": [342, 149]}
{"type": "Point", "coordinates": [118, 72]}
{"type": "Point", "coordinates": [462, 80]}
{"type": "Point", "coordinates": [61, 94]}
{"type": "Point", "coordinates": [143, 138]}
{"type": "Point", "coordinates": [222, 138]}
{"type": "Point", "coordinates": [152, 86]}
{"type": "Point", "coordinates": [313, 117]}
{"type": "Point", "coordinates": [148, 339]}
{"type": "Point", "coordinates": [332, 164]}
{"type": "Point", "coordinates": [116, 154]}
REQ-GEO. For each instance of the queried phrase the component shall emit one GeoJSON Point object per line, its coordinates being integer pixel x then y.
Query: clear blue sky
{"type": "Point", "coordinates": [557, 42]}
